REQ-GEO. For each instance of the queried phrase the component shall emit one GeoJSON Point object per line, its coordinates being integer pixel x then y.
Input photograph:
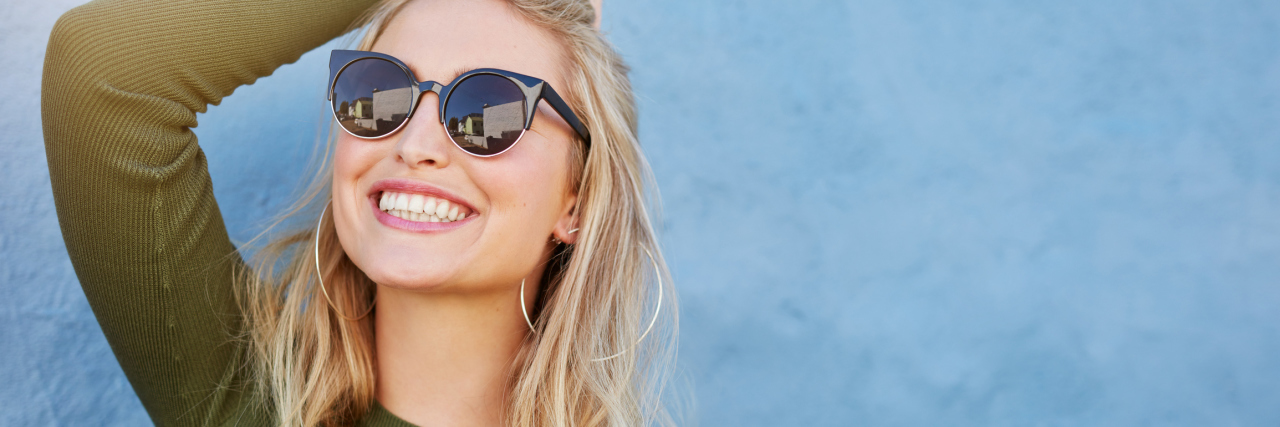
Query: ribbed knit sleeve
{"type": "Point", "coordinates": [123, 81]}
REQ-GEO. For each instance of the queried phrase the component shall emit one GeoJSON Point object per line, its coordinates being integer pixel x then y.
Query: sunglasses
{"type": "Point", "coordinates": [484, 111]}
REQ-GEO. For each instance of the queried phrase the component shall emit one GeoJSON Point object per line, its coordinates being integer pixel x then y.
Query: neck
{"type": "Point", "coordinates": [445, 359]}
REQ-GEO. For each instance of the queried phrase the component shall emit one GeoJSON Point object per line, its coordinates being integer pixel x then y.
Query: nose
{"type": "Point", "coordinates": [423, 142]}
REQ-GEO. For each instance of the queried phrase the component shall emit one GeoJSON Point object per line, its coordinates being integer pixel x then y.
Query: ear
{"type": "Point", "coordinates": [567, 224]}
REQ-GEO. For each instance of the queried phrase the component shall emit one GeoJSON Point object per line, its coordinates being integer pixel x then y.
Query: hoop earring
{"type": "Point", "coordinates": [320, 275]}
{"type": "Point", "coordinates": [656, 310]}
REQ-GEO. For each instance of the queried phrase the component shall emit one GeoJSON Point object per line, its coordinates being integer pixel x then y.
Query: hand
{"type": "Point", "coordinates": [598, 5]}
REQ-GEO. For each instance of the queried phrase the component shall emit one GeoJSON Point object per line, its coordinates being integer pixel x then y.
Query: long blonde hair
{"type": "Point", "coordinates": [315, 368]}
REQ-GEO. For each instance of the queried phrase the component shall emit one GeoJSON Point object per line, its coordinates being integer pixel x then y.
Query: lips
{"type": "Point", "coordinates": [417, 206]}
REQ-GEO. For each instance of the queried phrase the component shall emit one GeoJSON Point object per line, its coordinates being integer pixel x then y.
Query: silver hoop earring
{"type": "Point", "coordinates": [656, 310]}
{"type": "Point", "coordinates": [320, 275]}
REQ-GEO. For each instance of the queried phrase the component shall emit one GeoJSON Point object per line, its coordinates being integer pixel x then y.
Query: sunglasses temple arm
{"type": "Point", "coordinates": [561, 107]}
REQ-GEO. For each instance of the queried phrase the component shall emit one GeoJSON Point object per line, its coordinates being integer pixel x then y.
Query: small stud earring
{"type": "Point", "coordinates": [557, 241]}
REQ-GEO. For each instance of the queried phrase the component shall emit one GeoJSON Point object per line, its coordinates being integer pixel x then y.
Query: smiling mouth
{"type": "Point", "coordinates": [420, 208]}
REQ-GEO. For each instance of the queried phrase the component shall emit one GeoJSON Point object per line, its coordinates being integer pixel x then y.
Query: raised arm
{"type": "Point", "coordinates": [123, 81]}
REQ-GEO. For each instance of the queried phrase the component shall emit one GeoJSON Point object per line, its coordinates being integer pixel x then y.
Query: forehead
{"type": "Point", "coordinates": [438, 39]}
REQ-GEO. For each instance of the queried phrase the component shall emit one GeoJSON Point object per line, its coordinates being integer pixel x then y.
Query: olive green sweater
{"type": "Point", "coordinates": [123, 81]}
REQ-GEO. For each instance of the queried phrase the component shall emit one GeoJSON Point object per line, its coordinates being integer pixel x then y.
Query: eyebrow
{"type": "Point", "coordinates": [458, 72]}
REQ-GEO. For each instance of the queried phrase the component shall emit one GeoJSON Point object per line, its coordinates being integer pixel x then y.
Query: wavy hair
{"type": "Point", "coordinates": [316, 368]}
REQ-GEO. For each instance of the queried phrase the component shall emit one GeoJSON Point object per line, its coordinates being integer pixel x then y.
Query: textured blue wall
{"type": "Point", "coordinates": [879, 212]}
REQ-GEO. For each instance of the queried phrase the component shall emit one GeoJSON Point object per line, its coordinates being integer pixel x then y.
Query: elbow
{"type": "Point", "coordinates": [89, 57]}
{"type": "Point", "coordinates": [96, 43]}
{"type": "Point", "coordinates": [73, 49]}
{"type": "Point", "coordinates": [73, 64]}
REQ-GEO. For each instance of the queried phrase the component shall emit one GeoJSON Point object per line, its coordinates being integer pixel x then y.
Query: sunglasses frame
{"type": "Point", "coordinates": [534, 90]}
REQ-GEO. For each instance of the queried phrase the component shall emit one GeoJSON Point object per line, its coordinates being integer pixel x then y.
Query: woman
{"type": "Point", "coordinates": [491, 261]}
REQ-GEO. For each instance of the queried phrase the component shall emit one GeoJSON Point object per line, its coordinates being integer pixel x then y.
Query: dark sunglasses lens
{"type": "Point", "coordinates": [372, 97]}
{"type": "Point", "coordinates": [485, 114]}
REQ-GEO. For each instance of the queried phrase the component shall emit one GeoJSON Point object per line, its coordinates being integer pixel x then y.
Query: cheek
{"type": "Point", "coordinates": [534, 173]}
{"type": "Point", "coordinates": [351, 156]}
{"type": "Point", "coordinates": [526, 190]}
{"type": "Point", "coordinates": [352, 160]}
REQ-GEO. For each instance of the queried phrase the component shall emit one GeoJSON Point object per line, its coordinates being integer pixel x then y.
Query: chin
{"type": "Point", "coordinates": [404, 278]}
{"type": "Point", "coordinates": [398, 269]}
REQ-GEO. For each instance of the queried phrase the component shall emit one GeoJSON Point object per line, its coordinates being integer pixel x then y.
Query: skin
{"type": "Point", "coordinates": [448, 320]}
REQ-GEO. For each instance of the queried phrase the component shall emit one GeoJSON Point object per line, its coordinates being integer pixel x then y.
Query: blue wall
{"type": "Point", "coordinates": [879, 212]}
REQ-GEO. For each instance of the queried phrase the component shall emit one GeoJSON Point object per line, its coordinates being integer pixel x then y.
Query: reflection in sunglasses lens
{"type": "Point", "coordinates": [372, 97]}
{"type": "Point", "coordinates": [485, 114]}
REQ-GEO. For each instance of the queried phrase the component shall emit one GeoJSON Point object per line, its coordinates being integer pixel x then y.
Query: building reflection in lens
{"type": "Point", "coordinates": [485, 113]}
{"type": "Point", "coordinates": [377, 114]}
{"type": "Point", "coordinates": [390, 108]}
{"type": "Point", "coordinates": [372, 97]}
{"type": "Point", "coordinates": [495, 126]}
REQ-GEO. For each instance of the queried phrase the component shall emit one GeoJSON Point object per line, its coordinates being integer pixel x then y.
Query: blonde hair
{"type": "Point", "coordinates": [315, 368]}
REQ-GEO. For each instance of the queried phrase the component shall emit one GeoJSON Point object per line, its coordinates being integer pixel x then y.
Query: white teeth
{"type": "Point", "coordinates": [420, 208]}
{"type": "Point", "coordinates": [415, 203]}
{"type": "Point", "coordinates": [442, 209]}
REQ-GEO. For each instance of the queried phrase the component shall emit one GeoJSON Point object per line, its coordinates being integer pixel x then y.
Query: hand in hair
{"type": "Point", "coordinates": [598, 5]}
